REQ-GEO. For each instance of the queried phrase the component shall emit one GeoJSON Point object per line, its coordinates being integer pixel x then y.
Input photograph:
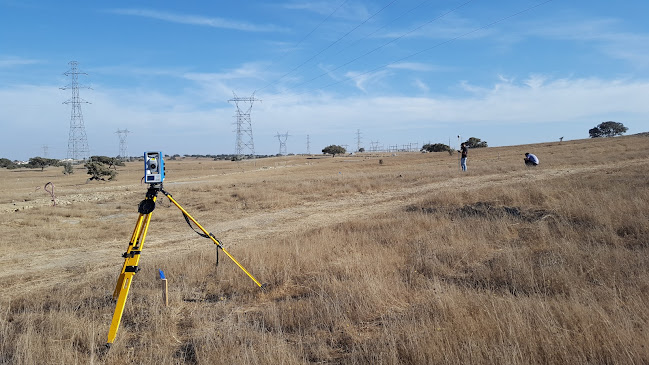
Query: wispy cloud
{"type": "Point", "coordinates": [362, 80]}
{"type": "Point", "coordinates": [449, 27]}
{"type": "Point", "coordinates": [567, 104]}
{"type": "Point", "coordinates": [198, 20]}
{"type": "Point", "coordinates": [541, 99]}
{"type": "Point", "coordinates": [421, 85]}
{"type": "Point", "coordinates": [604, 33]}
{"type": "Point", "coordinates": [416, 66]}
{"type": "Point", "coordinates": [347, 11]}
{"type": "Point", "coordinates": [6, 62]}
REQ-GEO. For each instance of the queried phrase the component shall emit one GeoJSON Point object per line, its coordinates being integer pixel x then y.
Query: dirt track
{"type": "Point", "coordinates": [44, 269]}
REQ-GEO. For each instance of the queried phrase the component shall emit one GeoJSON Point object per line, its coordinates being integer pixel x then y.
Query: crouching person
{"type": "Point", "coordinates": [531, 160]}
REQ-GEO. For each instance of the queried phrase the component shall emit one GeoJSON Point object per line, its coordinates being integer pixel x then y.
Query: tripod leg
{"type": "Point", "coordinates": [216, 242]}
{"type": "Point", "coordinates": [132, 243]}
{"type": "Point", "coordinates": [130, 267]}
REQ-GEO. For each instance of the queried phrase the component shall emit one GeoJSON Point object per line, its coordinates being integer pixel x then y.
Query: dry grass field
{"type": "Point", "coordinates": [408, 261]}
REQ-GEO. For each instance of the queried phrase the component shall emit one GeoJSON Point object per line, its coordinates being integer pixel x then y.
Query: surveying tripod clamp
{"type": "Point", "coordinates": [147, 205]}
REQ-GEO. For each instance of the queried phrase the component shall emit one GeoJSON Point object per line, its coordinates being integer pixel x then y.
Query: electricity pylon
{"type": "Point", "coordinates": [244, 124]}
{"type": "Point", "coordinates": [122, 142]}
{"type": "Point", "coordinates": [282, 143]}
{"type": "Point", "coordinates": [358, 140]}
{"type": "Point", "coordinates": [77, 142]}
{"type": "Point", "coordinates": [308, 145]}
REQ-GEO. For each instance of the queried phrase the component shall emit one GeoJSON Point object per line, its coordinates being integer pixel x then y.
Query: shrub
{"type": "Point", "coordinates": [67, 168]}
{"type": "Point", "coordinates": [437, 147]}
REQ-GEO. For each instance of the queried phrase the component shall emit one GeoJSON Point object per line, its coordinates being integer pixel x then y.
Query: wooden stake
{"type": "Point", "coordinates": [165, 293]}
{"type": "Point", "coordinates": [165, 290]}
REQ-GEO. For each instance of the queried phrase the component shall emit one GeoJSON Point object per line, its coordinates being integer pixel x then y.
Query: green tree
{"type": "Point", "coordinates": [7, 163]}
{"type": "Point", "coordinates": [108, 161]}
{"type": "Point", "coordinates": [595, 132]}
{"type": "Point", "coordinates": [437, 147]}
{"type": "Point", "coordinates": [607, 129]}
{"type": "Point", "coordinates": [41, 162]}
{"type": "Point", "coordinates": [98, 170]}
{"type": "Point", "coordinates": [475, 143]}
{"type": "Point", "coordinates": [334, 150]}
{"type": "Point", "coordinates": [100, 166]}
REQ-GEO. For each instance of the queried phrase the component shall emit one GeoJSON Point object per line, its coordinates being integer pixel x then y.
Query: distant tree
{"type": "Point", "coordinates": [334, 150]}
{"type": "Point", "coordinates": [7, 163]}
{"type": "Point", "coordinates": [67, 168]}
{"type": "Point", "coordinates": [595, 132]}
{"type": "Point", "coordinates": [41, 162]}
{"type": "Point", "coordinates": [475, 143]}
{"type": "Point", "coordinates": [607, 129]}
{"type": "Point", "coordinates": [437, 147]}
{"type": "Point", "coordinates": [108, 161]}
{"type": "Point", "coordinates": [98, 170]}
{"type": "Point", "coordinates": [100, 166]}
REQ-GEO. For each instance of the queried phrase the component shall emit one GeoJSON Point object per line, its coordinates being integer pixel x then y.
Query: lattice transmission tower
{"type": "Point", "coordinates": [122, 143]}
{"type": "Point", "coordinates": [77, 142]}
{"type": "Point", "coordinates": [244, 125]}
{"type": "Point", "coordinates": [374, 146]}
{"type": "Point", "coordinates": [308, 145]}
{"type": "Point", "coordinates": [358, 140]}
{"type": "Point", "coordinates": [282, 143]}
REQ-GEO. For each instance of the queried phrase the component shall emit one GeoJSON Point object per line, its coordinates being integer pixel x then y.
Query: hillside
{"type": "Point", "coordinates": [369, 259]}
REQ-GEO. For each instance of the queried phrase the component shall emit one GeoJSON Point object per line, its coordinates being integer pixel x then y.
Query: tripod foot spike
{"type": "Point", "coordinates": [102, 351]}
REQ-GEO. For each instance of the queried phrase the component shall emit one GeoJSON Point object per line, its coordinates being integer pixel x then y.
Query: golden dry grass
{"type": "Point", "coordinates": [405, 262]}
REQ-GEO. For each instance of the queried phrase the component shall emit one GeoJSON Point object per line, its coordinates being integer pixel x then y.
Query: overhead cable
{"type": "Point", "coordinates": [329, 46]}
{"type": "Point", "coordinates": [429, 48]}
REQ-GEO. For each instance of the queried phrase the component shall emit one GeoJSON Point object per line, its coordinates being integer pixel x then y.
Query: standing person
{"type": "Point", "coordinates": [465, 152]}
{"type": "Point", "coordinates": [531, 160]}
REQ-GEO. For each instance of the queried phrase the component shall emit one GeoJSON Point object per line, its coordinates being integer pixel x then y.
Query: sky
{"type": "Point", "coordinates": [357, 73]}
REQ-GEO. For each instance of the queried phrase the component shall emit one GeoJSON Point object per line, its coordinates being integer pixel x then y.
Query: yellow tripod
{"type": "Point", "coordinates": [132, 254]}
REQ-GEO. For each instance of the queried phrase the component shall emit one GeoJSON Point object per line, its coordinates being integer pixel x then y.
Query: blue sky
{"type": "Point", "coordinates": [399, 71]}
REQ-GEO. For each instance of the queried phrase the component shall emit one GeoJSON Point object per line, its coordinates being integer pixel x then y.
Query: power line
{"type": "Point", "coordinates": [426, 49]}
{"type": "Point", "coordinates": [329, 46]}
{"type": "Point", "coordinates": [383, 26]}
{"type": "Point", "coordinates": [302, 40]}
{"type": "Point", "coordinates": [381, 46]}
{"type": "Point", "coordinates": [322, 22]}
